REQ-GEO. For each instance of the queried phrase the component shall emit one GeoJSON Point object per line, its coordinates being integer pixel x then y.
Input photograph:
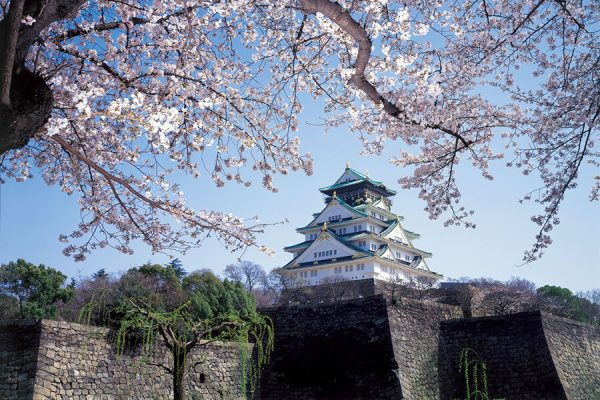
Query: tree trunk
{"type": "Point", "coordinates": [31, 103]}
{"type": "Point", "coordinates": [179, 358]}
{"type": "Point", "coordinates": [29, 98]}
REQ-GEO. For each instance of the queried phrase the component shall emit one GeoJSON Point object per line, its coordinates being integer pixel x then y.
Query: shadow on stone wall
{"type": "Point", "coordinates": [331, 351]}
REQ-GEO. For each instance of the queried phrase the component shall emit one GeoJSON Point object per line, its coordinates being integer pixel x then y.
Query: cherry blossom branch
{"type": "Point", "coordinates": [154, 204]}
{"type": "Point", "coordinates": [105, 173]}
{"type": "Point", "coordinates": [71, 33]}
{"type": "Point", "coordinates": [335, 12]}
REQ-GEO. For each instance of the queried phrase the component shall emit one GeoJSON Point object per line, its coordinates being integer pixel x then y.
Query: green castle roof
{"type": "Point", "coordinates": [365, 253]}
{"type": "Point", "coordinates": [363, 179]}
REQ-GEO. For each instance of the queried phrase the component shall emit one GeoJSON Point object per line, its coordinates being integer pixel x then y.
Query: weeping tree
{"type": "Point", "coordinates": [182, 314]}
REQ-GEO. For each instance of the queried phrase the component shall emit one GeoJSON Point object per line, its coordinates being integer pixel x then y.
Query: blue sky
{"type": "Point", "coordinates": [32, 215]}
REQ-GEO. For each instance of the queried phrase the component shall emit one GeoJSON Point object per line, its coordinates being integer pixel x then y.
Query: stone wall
{"type": "Point", "coordinates": [515, 351]}
{"type": "Point", "coordinates": [575, 350]}
{"type": "Point", "coordinates": [81, 362]}
{"type": "Point", "coordinates": [19, 341]}
{"type": "Point", "coordinates": [340, 350]}
{"type": "Point", "coordinates": [357, 349]}
{"type": "Point", "coordinates": [415, 330]}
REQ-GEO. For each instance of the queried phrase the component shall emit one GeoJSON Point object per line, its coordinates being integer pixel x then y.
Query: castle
{"type": "Point", "coordinates": [359, 348]}
{"type": "Point", "coordinates": [357, 236]}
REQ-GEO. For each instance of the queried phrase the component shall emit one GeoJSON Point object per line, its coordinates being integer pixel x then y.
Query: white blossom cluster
{"type": "Point", "coordinates": [214, 88]}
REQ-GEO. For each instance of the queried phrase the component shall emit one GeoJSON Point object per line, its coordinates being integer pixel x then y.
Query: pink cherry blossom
{"type": "Point", "coordinates": [128, 93]}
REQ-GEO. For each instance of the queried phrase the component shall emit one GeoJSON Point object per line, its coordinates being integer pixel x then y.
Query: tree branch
{"type": "Point", "coordinates": [345, 22]}
{"type": "Point", "coordinates": [163, 206]}
{"type": "Point", "coordinates": [200, 335]}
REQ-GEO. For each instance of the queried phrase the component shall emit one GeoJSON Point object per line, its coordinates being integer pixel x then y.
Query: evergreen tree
{"type": "Point", "coordinates": [100, 274]}
{"type": "Point", "coordinates": [177, 266]}
{"type": "Point", "coordinates": [36, 288]}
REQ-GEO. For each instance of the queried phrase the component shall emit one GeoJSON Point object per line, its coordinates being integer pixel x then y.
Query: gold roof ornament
{"type": "Point", "coordinates": [324, 227]}
{"type": "Point", "coordinates": [347, 164]}
{"type": "Point", "coordinates": [367, 173]}
{"type": "Point", "coordinates": [334, 196]}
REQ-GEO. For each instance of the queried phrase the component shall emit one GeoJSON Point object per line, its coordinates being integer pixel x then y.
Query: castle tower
{"type": "Point", "coordinates": [357, 236]}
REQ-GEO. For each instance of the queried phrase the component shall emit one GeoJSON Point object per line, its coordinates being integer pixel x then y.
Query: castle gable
{"type": "Point", "coordinates": [336, 210]}
{"type": "Point", "coordinates": [396, 233]}
{"type": "Point", "coordinates": [350, 175]}
{"type": "Point", "coordinates": [327, 246]}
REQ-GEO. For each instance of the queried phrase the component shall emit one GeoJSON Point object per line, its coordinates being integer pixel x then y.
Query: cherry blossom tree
{"type": "Point", "coordinates": [110, 99]}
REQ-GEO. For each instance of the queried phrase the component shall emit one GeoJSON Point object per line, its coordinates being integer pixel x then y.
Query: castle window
{"type": "Point", "coordinates": [334, 252]}
{"type": "Point", "coordinates": [315, 255]}
{"type": "Point", "coordinates": [407, 257]}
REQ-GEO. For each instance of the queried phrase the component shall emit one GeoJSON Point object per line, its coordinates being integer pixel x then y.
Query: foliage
{"type": "Point", "coordinates": [592, 295]}
{"type": "Point", "coordinates": [177, 266]}
{"type": "Point", "coordinates": [561, 301]}
{"type": "Point", "coordinates": [100, 274]}
{"type": "Point", "coordinates": [36, 288]}
{"type": "Point", "coordinates": [474, 373]}
{"type": "Point", "coordinates": [211, 298]}
{"type": "Point", "coordinates": [9, 307]}
{"type": "Point", "coordinates": [152, 303]}
{"type": "Point", "coordinates": [91, 302]}
{"type": "Point", "coordinates": [108, 99]}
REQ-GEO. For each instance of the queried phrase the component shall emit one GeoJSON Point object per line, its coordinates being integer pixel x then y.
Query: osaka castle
{"type": "Point", "coordinates": [357, 236]}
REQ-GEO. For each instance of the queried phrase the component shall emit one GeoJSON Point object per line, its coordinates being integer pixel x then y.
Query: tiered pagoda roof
{"type": "Point", "coordinates": [357, 225]}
